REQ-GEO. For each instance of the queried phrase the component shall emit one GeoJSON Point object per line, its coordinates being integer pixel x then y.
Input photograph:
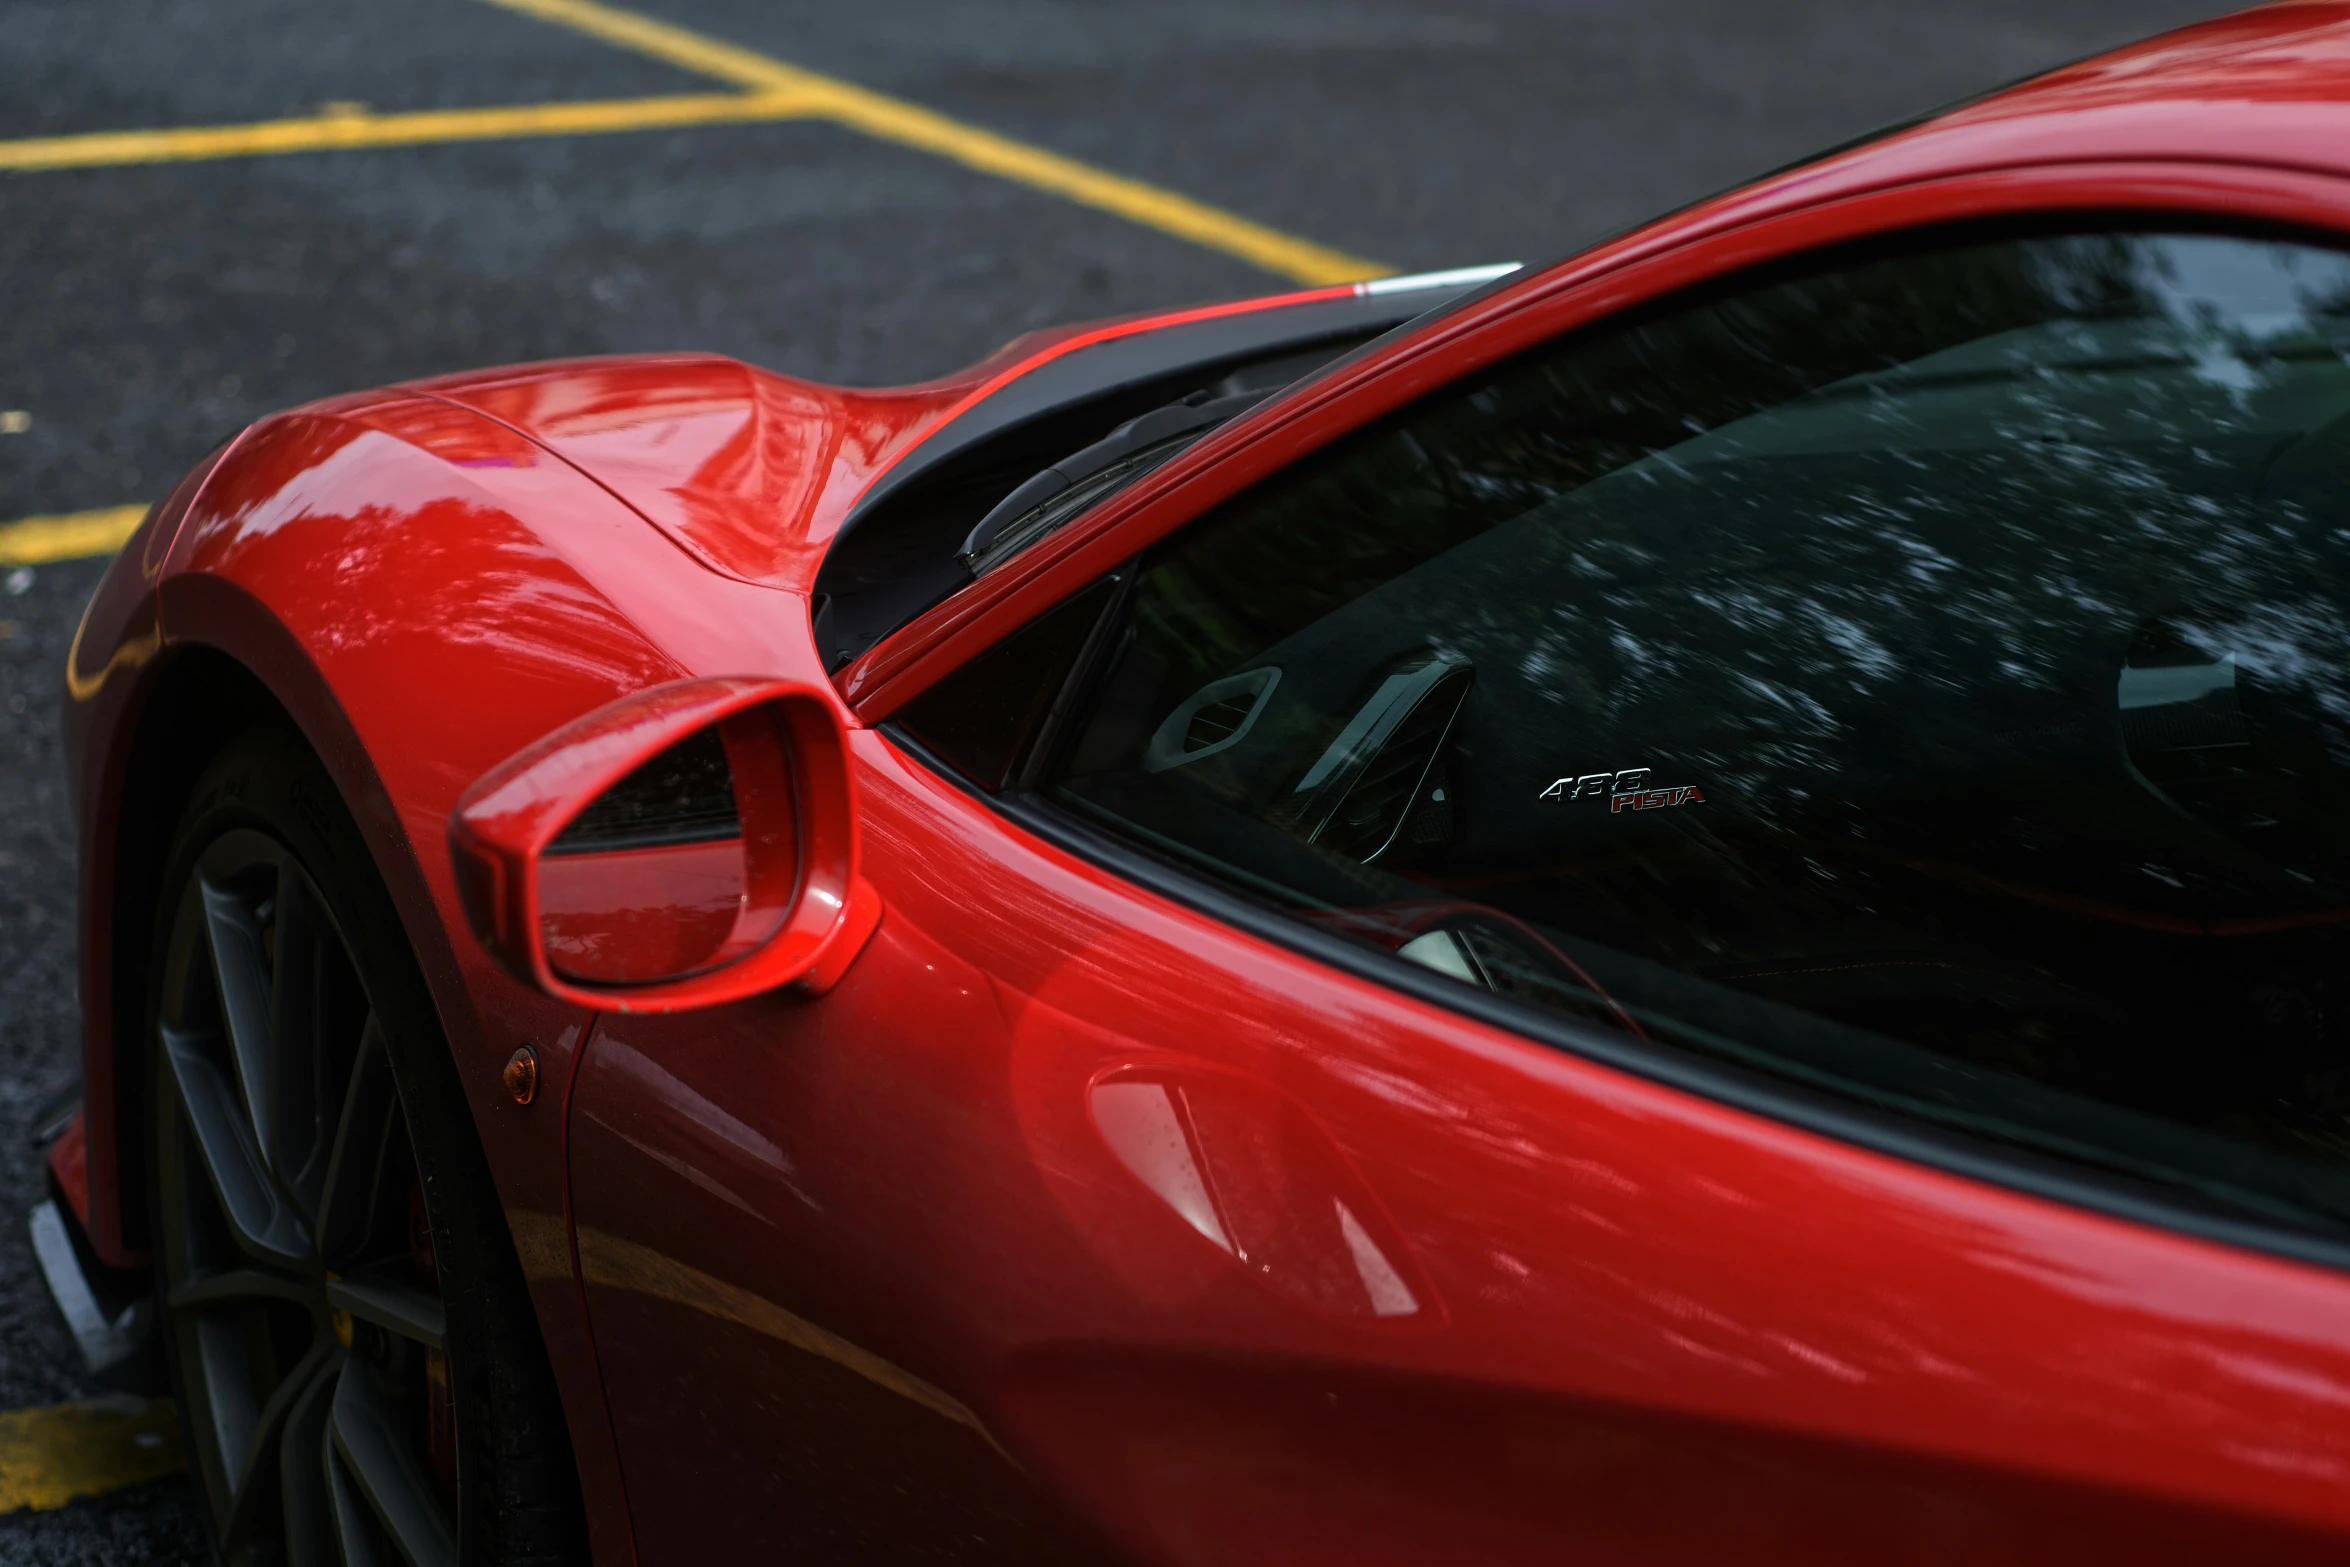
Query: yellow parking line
{"type": "Point", "coordinates": [910, 125]}
{"type": "Point", "coordinates": [35, 541]}
{"type": "Point", "coordinates": [775, 91]}
{"type": "Point", "coordinates": [50, 1456]}
{"type": "Point", "coordinates": [354, 128]}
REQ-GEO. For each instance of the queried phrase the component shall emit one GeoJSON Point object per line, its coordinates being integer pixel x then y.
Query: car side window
{"type": "Point", "coordinates": [1924, 676]}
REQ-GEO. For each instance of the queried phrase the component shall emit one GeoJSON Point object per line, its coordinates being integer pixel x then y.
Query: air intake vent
{"type": "Point", "coordinates": [1214, 718]}
{"type": "Point", "coordinates": [1366, 821]}
{"type": "Point", "coordinates": [1217, 721]}
{"type": "Point", "coordinates": [1357, 797]}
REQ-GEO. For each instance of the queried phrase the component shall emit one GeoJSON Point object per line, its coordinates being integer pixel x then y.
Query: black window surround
{"type": "Point", "coordinates": [897, 551]}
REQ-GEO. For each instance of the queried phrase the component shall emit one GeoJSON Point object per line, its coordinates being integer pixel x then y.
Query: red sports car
{"type": "Point", "coordinates": [1689, 906]}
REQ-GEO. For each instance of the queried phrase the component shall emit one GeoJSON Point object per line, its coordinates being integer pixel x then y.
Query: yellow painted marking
{"type": "Point", "coordinates": [613, 1263]}
{"type": "Point", "coordinates": [543, 1242]}
{"type": "Point", "coordinates": [35, 541]}
{"type": "Point", "coordinates": [130, 654]}
{"type": "Point", "coordinates": [774, 91]}
{"type": "Point", "coordinates": [350, 125]}
{"type": "Point", "coordinates": [910, 125]}
{"type": "Point", "coordinates": [50, 1456]}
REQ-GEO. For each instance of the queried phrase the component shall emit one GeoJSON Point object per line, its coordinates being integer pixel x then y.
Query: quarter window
{"type": "Point", "coordinates": [1925, 677]}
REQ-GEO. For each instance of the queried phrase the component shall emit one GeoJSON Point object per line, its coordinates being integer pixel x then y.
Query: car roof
{"type": "Point", "coordinates": [2269, 85]}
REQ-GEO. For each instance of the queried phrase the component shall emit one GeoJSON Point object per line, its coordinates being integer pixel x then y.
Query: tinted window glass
{"type": "Point", "coordinates": [1926, 677]}
{"type": "Point", "coordinates": [984, 715]}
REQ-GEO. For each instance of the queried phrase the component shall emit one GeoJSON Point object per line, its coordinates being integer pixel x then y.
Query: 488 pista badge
{"type": "Point", "coordinates": [1626, 789]}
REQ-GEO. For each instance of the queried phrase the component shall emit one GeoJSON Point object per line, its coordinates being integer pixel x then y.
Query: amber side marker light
{"type": "Point", "coordinates": [522, 1075]}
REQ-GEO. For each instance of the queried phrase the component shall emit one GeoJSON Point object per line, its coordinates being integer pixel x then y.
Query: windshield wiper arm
{"type": "Point", "coordinates": [1046, 500]}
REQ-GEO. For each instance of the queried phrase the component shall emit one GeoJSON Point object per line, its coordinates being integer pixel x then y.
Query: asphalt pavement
{"type": "Point", "coordinates": [148, 311]}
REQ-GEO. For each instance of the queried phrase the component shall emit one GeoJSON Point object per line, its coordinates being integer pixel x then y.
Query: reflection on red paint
{"type": "Point", "coordinates": [69, 1168]}
{"type": "Point", "coordinates": [1243, 1164]}
{"type": "Point", "coordinates": [729, 460]}
{"type": "Point", "coordinates": [637, 915]}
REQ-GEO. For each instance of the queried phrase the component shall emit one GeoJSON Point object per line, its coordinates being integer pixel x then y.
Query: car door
{"type": "Point", "coordinates": [1720, 938]}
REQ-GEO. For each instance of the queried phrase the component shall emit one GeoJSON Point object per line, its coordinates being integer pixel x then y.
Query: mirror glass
{"type": "Point", "coordinates": [651, 881]}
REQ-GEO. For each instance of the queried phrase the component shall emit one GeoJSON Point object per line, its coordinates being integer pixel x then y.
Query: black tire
{"type": "Point", "coordinates": [308, 1135]}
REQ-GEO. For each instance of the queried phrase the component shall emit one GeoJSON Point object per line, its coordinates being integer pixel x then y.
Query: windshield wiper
{"type": "Point", "coordinates": [1049, 499]}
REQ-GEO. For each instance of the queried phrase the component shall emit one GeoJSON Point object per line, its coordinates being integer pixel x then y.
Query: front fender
{"type": "Point", "coordinates": [109, 670]}
{"type": "Point", "coordinates": [424, 592]}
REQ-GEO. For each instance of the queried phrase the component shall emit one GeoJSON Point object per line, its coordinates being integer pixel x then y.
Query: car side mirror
{"type": "Point", "coordinates": [689, 845]}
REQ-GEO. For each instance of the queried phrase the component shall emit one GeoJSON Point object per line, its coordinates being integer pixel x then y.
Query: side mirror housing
{"type": "Point", "coordinates": [686, 846]}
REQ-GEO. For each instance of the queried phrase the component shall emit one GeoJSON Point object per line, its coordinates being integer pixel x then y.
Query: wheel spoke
{"type": "Point", "coordinates": [355, 1534]}
{"type": "Point", "coordinates": [234, 936]}
{"type": "Point", "coordinates": [302, 1482]}
{"type": "Point", "coordinates": [349, 1200]}
{"type": "Point", "coordinates": [295, 1034]}
{"type": "Point", "coordinates": [403, 1309]}
{"type": "Point", "coordinates": [239, 1285]}
{"type": "Point", "coordinates": [260, 1453]}
{"type": "Point", "coordinates": [274, 1077]}
{"type": "Point", "coordinates": [222, 1365]}
{"type": "Point", "coordinates": [371, 1443]}
{"type": "Point", "coordinates": [261, 1221]}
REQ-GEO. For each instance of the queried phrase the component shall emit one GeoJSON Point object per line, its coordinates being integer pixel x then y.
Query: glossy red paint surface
{"type": "Point", "coordinates": [1637, 1322]}
{"type": "Point", "coordinates": [634, 916]}
{"type": "Point", "coordinates": [1067, 1222]}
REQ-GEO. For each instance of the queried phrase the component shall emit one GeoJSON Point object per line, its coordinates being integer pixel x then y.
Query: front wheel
{"type": "Point", "coordinates": [351, 1341]}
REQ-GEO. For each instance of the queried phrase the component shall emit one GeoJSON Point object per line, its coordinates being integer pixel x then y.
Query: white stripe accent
{"type": "Point", "coordinates": [1458, 277]}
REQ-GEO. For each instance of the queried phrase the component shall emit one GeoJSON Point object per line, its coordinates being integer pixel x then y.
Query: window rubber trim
{"type": "Point", "coordinates": [1950, 1152]}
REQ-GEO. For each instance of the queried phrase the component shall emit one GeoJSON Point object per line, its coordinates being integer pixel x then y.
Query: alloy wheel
{"type": "Point", "coordinates": [295, 1253]}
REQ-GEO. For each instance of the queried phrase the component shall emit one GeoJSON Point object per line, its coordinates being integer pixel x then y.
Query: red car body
{"type": "Point", "coordinates": [863, 1272]}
